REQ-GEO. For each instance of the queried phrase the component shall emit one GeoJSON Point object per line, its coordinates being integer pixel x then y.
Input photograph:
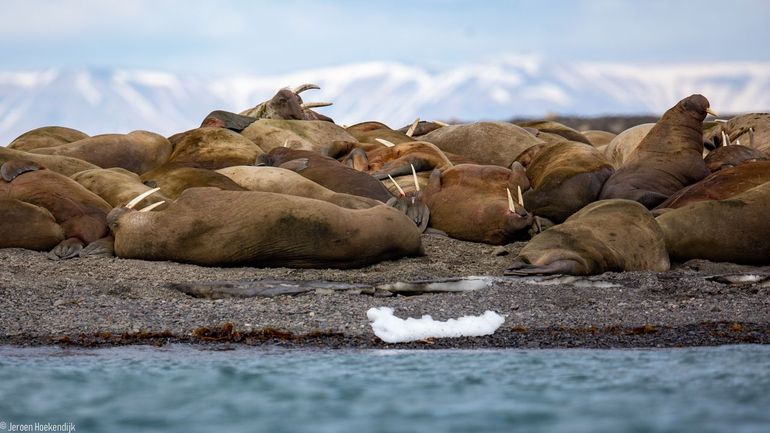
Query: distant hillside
{"type": "Point", "coordinates": [99, 101]}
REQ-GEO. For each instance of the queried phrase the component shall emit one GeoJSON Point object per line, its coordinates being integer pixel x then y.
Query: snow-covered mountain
{"type": "Point", "coordinates": [99, 101]}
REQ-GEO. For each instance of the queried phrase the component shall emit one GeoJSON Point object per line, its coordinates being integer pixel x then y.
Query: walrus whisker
{"type": "Point", "coordinates": [510, 201]}
{"type": "Point", "coordinates": [301, 88]}
{"type": "Point", "coordinates": [412, 127]}
{"type": "Point", "coordinates": [385, 142]}
{"type": "Point", "coordinates": [438, 122]}
{"type": "Point", "coordinates": [315, 104]}
{"type": "Point", "coordinates": [140, 197]}
{"type": "Point", "coordinates": [416, 183]}
{"type": "Point", "coordinates": [152, 206]}
{"type": "Point", "coordinates": [400, 191]}
{"type": "Point", "coordinates": [521, 197]}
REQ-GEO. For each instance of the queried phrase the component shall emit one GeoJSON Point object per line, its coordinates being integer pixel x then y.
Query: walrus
{"type": "Point", "coordinates": [551, 127]}
{"type": "Point", "coordinates": [669, 157]}
{"type": "Point", "coordinates": [298, 134]}
{"type": "Point", "coordinates": [624, 144]}
{"type": "Point", "coordinates": [605, 236]}
{"type": "Point", "coordinates": [288, 105]}
{"type": "Point", "coordinates": [64, 165]}
{"type": "Point", "coordinates": [470, 202]}
{"type": "Point", "coordinates": [751, 130]}
{"type": "Point", "coordinates": [399, 159]}
{"type": "Point", "coordinates": [175, 179]}
{"type": "Point", "coordinates": [487, 143]}
{"type": "Point", "coordinates": [722, 184]}
{"type": "Point", "coordinates": [373, 132]}
{"type": "Point", "coordinates": [24, 225]}
{"type": "Point", "coordinates": [212, 148]}
{"type": "Point", "coordinates": [46, 136]}
{"type": "Point", "coordinates": [564, 177]}
{"type": "Point", "coordinates": [421, 128]}
{"type": "Point", "coordinates": [281, 180]}
{"type": "Point", "coordinates": [81, 213]}
{"type": "Point", "coordinates": [327, 172]}
{"type": "Point", "coordinates": [117, 186]}
{"type": "Point", "coordinates": [598, 138]}
{"type": "Point", "coordinates": [731, 156]}
{"type": "Point", "coordinates": [211, 227]}
{"type": "Point", "coordinates": [731, 230]}
{"type": "Point", "coordinates": [138, 151]}
{"type": "Point", "coordinates": [228, 120]}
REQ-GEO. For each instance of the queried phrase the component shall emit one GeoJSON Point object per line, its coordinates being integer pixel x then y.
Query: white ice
{"type": "Point", "coordinates": [392, 329]}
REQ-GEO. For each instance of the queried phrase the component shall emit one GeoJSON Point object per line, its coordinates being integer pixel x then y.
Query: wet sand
{"type": "Point", "coordinates": [112, 301]}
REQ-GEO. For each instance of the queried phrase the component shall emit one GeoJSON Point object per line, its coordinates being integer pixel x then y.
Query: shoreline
{"type": "Point", "coordinates": [106, 302]}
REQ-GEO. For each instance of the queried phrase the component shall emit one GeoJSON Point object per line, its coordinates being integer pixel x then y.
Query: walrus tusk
{"type": "Point", "coordinates": [152, 206]}
{"type": "Point", "coordinates": [385, 142]}
{"type": "Point", "coordinates": [521, 197]}
{"type": "Point", "coordinates": [438, 122]}
{"type": "Point", "coordinates": [414, 174]}
{"type": "Point", "coordinates": [301, 88]}
{"type": "Point", "coordinates": [725, 139]}
{"type": "Point", "coordinates": [140, 197]}
{"type": "Point", "coordinates": [315, 104]}
{"type": "Point", "coordinates": [286, 143]}
{"type": "Point", "coordinates": [400, 191]}
{"type": "Point", "coordinates": [738, 142]}
{"type": "Point", "coordinates": [510, 201]}
{"type": "Point", "coordinates": [412, 127]}
{"type": "Point", "coordinates": [711, 112]}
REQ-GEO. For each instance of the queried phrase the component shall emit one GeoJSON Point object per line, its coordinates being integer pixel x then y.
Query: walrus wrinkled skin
{"type": "Point", "coordinates": [669, 157]}
{"type": "Point", "coordinates": [24, 225]}
{"type": "Point", "coordinates": [733, 230]}
{"type": "Point", "coordinates": [731, 156]}
{"type": "Point", "coordinates": [470, 202]}
{"type": "Point", "coordinates": [81, 213]}
{"type": "Point", "coordinates": [608, 235]}
{"type": "Point", "coordinates": [138, 151]}
{"type": "Point", "coordinates": [46, 136]}
{"type": "Point", "coordinates": [564, 177]}
{"type": "Point", "coordinates": [283, 181]}
{"type": "Point", "coordinates": [487, 143]}
{"type": "Point", "coordinates": [720, 185]}
{"type": "Point", "coordinates": [117, 186]}
{"type": "Point", "coordinates": [210, 227]}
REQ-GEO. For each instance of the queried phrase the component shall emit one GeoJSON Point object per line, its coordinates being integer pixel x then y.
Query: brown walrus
{"type": "Point", "coordinates": [210, 227]}
{"type": "Point", "coordinates": [327, 172]}
{"type": "Point", "coordinates": [283, 181]}
{"type": "Point", "coordinates": [174, 179]}
{"type": "Point", "coordinates": [288, 105]}
{"type": "Point", "coordinates": [752, 130]}
{"type": "Point", "coordinates": [564, 177]}
{"type": "Point", "coordinates": [607, 235]}
{"type": "Point", "coordinates": [487, 143]}
{"type": "Point", "coordinates": [61, 164]}
{"type": "Point", "coordinates": [598, 137]}
{"type": "Point", "coordinates": [720, 185]}
{"type": "Point", "coordinates": [81, 213]}
{"type": "Point", "coordinates": [117, 186]}
{"type": "Point", "coordinates": [624, 144]}
{"type": "Point", "coordinates": [212, 148]}
{"type": "Point", "coordinates": [551, 127]}
{"type": "Point", "coordinates": [399, 159]}
{"type": "Point", "coordinates": [138, 151]}
{"type": "Point", "coordinates": [228, 120]}
{"type": "Point", "coordinates": [46, 136]}
{"type": "Point", "coordinates": [731, 230]}
{"type": "Point", "coordinates": [669, 157]}
{"type": "Point", "coordinates": [297, 134]}
{"type": "Point", "coordinates": [470, 202]}
{"type": "Point", "coordinates": [24, 225]}
{"type": "Point", "coordinates": [731, 156]}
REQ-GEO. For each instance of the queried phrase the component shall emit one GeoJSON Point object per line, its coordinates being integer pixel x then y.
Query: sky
{"type": "Point", "coordinates": [260, 37]}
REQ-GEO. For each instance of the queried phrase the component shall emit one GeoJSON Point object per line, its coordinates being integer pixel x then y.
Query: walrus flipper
{"type": "Point", "coordinates": [563, 266]}
{"type": "Point", "coordinates": [103, 247]}
{"type": "Point", "coordinates": [13, 168]}
{"type": "Point", "coordinates": [66, 249]}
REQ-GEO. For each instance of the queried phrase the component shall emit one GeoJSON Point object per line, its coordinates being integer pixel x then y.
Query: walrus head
{"type": "Point", "coordinates": [113, 218]}
{"type": "Point", "coordinates": [288, 105]}
{"type": "Point", "coordinates": [696, 106]}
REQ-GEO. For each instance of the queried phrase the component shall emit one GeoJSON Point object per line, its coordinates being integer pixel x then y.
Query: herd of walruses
{"type": "Point", "coordinates": [283, 185]}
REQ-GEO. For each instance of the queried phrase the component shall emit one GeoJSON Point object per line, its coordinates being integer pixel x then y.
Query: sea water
{"type": "Point", "coordinates": [180, 388]}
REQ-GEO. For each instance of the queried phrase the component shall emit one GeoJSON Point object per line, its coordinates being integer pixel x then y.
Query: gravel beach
{"type": "Point", "coordinates": [112, 301]}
